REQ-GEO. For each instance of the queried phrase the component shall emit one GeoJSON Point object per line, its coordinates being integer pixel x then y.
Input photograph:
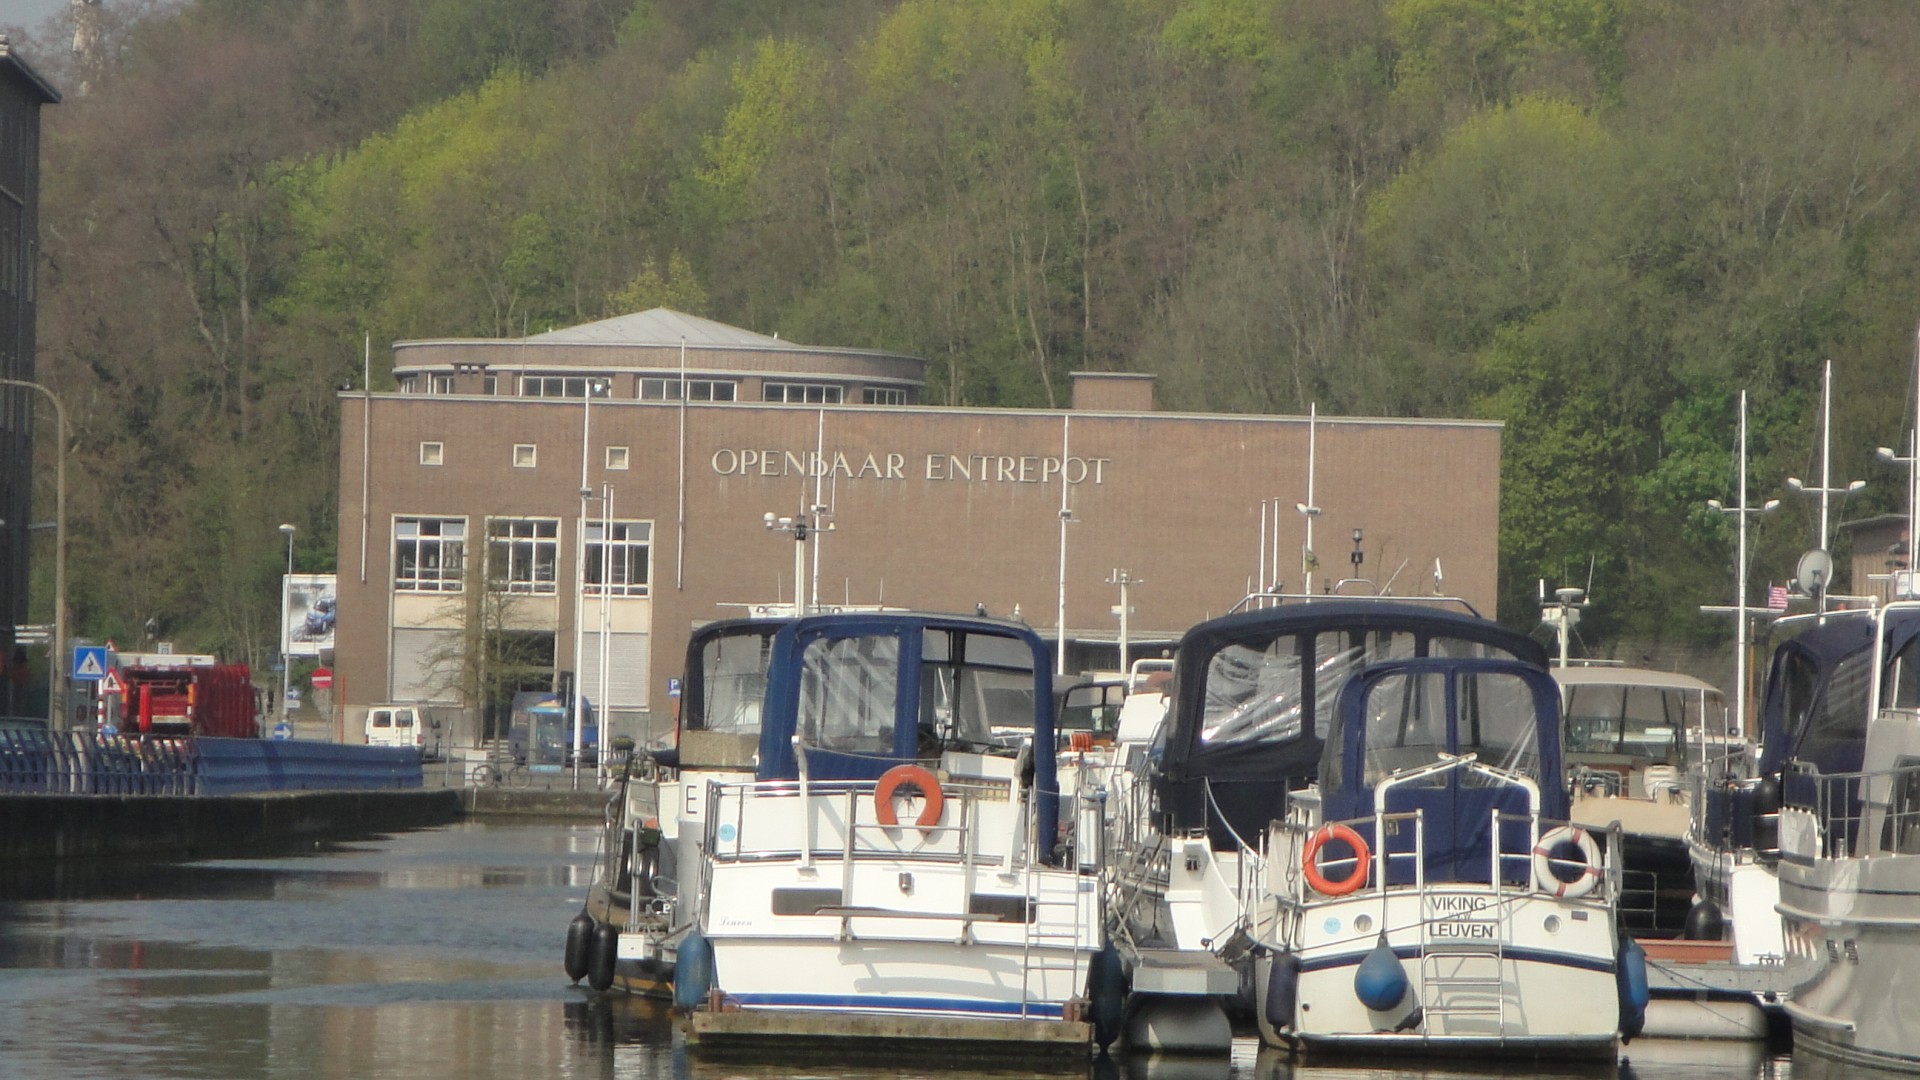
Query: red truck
{"type": "Point", "coordinates": [215, 700]}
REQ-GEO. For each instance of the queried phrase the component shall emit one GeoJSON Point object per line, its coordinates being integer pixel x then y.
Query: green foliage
{"type": "Point", "coordinates": [1594, 220]}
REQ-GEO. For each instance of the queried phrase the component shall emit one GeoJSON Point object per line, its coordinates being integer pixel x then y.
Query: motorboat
{"type": "Point", "coordinates": [889, 866]}
{"type": "Point", "coordinates": [1633, 739]}
{"type": "Point", "coordinates": [627, 935]}
{"type": "Point", "coordinates": [1849, 849]}
{"type": "Point", "coordinates": [1358, 804]}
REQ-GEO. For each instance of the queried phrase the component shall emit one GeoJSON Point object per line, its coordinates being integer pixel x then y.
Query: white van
{"type": "Point", "coordinates": [398, 725]}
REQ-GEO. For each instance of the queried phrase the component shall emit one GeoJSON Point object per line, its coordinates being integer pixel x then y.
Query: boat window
{"type": "Point", "coordinates": [1900, 834]}
{"type": "Point", "coordinates": [733, 683]}
{"type": "Point", "coordinates": [1903, 678]}
{"type": "Point", "coordinates": [976, 690]}
{"type": "Point", "coordinates": [1406, 719]}
{"type": "Point", "coordinates": [849, 690]}
{"type": "Point", "coordinates": [1253, 695]}
{"type": "Point", "coordinates": [1839, 717]}
{"type": "Point", "coordinates": [1497, 722]}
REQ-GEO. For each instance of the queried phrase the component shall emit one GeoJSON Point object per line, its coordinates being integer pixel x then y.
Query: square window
{"type": "Point", "coordinates": [523, 455]}
{"type": "Point", "coordinates": [617, 457]}
{"type": "Point", "coordinates": [432, 453]}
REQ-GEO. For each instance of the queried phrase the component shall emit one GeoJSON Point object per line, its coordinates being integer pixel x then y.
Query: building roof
{"type": "Point", "coordinates": [660, 326]}
{"type": "Point", "coordinates": [10, 59]}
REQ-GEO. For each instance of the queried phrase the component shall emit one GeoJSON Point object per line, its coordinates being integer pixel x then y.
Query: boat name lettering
{"type": "Point", "coordinates": [1458, 904]}
{"type": "Point", "coordinates": [1465, 928]}
{"type": "Point", "coordinates": [939, 468]}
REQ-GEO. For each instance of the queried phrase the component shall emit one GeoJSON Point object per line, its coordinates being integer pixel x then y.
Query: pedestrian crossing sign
{"type": "Point", "coordinates": [89, 663]}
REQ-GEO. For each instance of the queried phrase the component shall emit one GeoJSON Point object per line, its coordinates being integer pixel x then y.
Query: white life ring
{"type": "Point", "coordinates": [1544, 862]}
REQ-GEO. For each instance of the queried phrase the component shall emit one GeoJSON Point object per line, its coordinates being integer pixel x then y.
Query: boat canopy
{"type": "Point", "coordinates": [1254, 695]}
{"type": "Point", "coordinates": [1412, 715]}
{"type": "Point", "coordinates": [1819, 688]}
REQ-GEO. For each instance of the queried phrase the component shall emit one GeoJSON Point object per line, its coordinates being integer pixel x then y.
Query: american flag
{"type": "Point", "coordinates": [1777, 598]}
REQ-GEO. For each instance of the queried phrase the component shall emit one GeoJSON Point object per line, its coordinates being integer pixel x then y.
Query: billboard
{"type": "Point", "coordinates": [306, 614]}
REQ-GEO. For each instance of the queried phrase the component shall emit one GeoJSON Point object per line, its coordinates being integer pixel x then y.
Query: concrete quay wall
{"type": "Point", "coordinates": [70, 827]}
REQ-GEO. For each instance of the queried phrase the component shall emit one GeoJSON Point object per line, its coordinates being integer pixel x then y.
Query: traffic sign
{"type": "Point", "coordinates": [283, 731]}
{"type": "Point", "coordinates": [322, 678]}
{"type": "Point", "coordinates": [673, 687]}
{"type": "Point", "coordinates": [110, 684]}
{"type": "Point", "coordinates": [89, 663]}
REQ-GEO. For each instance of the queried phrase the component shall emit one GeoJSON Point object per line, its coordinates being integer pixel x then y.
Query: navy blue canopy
{"type": "Point", "coordinates": [1254, 694]}
{"type": "Point", "coordinates": [1819, 684]}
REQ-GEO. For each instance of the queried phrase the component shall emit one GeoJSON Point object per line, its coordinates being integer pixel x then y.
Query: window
{"type": "Point", "coordinates": [522, 554]}
{"type": "Point", "coordinates": [492, 383]}
{"type": "Point", "coordinates": [617, 458]}
{"type": "Point", "coordinates": [697, 390]}
{"type": "Point", "coordinates": [882, 395]}
{"type": "Point", "coordinates": [617, 557]}
{"type": "Point", "coordinates": [561, 386]}
{"type": "Point", "coordinates": [802, 393]}
{"type": "Point", "coordinates": [432, 453]}
{"type": "Point", "coordinates": [523, 455]}
{"type": "Point", "coordinates": [440, 384]}
{"type": "Point", "coordinates": [429, 554]}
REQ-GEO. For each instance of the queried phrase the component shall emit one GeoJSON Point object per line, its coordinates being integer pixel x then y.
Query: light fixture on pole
{"type": "Point", "coordinates": [1741, 512]}
{"type": "Point", "coordinates": [797, 525]}
{"type": "Point", "coordinates": [286, 594]}
{"type": "Point", "coordinates": [57, 648]}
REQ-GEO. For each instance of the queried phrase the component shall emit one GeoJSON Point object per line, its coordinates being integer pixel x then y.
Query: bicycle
{"type": "Point", "coordinates": [500, 772]}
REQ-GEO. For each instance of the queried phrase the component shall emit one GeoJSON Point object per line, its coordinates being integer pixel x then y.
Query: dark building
{"type": "Point", "coordinates": [22, 92]}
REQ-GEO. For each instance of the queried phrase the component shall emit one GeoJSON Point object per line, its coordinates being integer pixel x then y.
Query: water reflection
{"type": "Point", "coordinates": [437, 953]}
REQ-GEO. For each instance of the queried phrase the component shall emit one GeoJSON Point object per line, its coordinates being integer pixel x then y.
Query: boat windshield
{"type": "Point", "coordinates": [733, 670]}
{"type": "Point", "coordinates": [1650, 723]}
{"type": "Point", "coordinates": [1258, 695]}
{"type": "Point", "coordinates": [1493, 718]}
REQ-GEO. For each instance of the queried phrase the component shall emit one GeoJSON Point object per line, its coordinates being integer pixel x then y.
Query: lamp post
{"type": "Point", "coordinates": [1824, 488]}
{"type": "Point", "coordinates": [57, 649]}
{"type": "Point", "coordinates": [286, 661]}
{"type": "Point", "coordinates": [1741, 512]}
{"type": "Point", "coordinates": [797, 525]}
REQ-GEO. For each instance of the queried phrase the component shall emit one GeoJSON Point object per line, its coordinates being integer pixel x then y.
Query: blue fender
{"type": "Point", "coordinates": [1107, 992]}
{"type": "Point", "coordinates": [1631, 975]}
{"type": "Point", "coordinates": [692, 971]}
{"type": "Point", "coordinates": [1381, 981]}
{"type": "Point", "coordinates": [1283, 990]}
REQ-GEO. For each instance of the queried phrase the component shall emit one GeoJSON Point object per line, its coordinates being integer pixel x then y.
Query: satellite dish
{"type": "Point", "coordinates": [1814, 573]}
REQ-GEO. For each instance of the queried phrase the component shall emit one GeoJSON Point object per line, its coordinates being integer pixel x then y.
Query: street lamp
{"type": "Point", "coordinates": [57, 650]}
{"type": "Point", "coordinates": [1741, 512]}
{"type": "Point", "coordinates": [796, 525]}
{"type": "Point", "coordinates": [286, 664]}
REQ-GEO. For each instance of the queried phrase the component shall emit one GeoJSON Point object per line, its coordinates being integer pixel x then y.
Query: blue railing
{"type": "Point", "coordinates": [83, 763]}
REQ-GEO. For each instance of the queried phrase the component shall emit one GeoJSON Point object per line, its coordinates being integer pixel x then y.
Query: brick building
{"type": "Point", "coordinates": [462, 516]}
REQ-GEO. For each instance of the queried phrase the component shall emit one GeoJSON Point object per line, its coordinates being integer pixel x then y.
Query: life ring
{"type": "Point", "coordinates": [1544, 862]}
{"type": "Point", "coordinates": [1310, 861]}
{"type": "Point", "coordinates": [892, 780]}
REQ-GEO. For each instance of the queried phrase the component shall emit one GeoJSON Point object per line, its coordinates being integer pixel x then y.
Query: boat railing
{"type": "Point", "coordinates": [1273, 598]}
{"type": "Point", "coordinates": [1852, 814]}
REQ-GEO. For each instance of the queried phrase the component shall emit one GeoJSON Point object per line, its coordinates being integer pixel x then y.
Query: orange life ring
{"type": "Point", "coordinates": [1310, 865]}
{"type": "Point", "coordinates": [892, 780]}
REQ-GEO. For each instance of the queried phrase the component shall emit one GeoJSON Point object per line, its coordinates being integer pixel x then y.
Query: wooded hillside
{"type": "Point", "coordinates": [1596, 220]}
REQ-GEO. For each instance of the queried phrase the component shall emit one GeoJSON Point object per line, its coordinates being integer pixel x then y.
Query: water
{"type": "Point", "coordinates": [437, 953]}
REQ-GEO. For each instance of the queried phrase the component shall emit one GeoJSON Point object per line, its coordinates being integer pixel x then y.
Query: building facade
{"type": "Point", "coordinates": [597, 492]}
{"type": "Point", "coordinates": [22, 93]}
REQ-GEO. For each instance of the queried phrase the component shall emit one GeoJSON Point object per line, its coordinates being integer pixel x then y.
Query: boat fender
{"type": "Point", "coordinates": [1381, 980]}
{"type": "Point", "coordinates": [1631, 975]}
{"type": "Point", "coordinates": [893, 780]}
{"type": "Point", "coordinates": [1316, 877]}
{"type": "Point", "coordinates": [579, 936]}
{"type": "Point", "coordinates": [1551, 856]}
{"type": "Point", "coordinates": [1107, 991]}
{"type": "Point", "coordinates": [1283, 990]}
{"type": "Point", "coordinates": [1705, 922]}
{"type": "Point", "coordinates": [602, 954]}
{"type": "Point", "coordinates": [692, 971]}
